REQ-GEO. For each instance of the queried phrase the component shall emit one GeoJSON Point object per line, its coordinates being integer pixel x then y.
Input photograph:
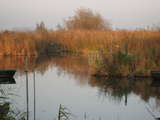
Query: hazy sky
{"type": "Point", "coordinates": [127, 14]}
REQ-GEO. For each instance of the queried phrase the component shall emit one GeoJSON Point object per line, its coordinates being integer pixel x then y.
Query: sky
{"type": "Point", "coordinates": [123, 14]}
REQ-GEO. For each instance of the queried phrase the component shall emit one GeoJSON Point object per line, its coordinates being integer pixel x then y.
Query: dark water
{"type": "Point", "coordinates": [66, 81]}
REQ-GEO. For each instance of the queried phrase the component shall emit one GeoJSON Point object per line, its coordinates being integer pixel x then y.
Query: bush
{"type": "Point", "coordinates": [86, 19]}
{"type": "Point", "coordinates": [41, 28]}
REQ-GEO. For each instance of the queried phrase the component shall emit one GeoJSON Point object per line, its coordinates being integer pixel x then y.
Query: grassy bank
{"type": "Point", "coordinates": [120, 64]}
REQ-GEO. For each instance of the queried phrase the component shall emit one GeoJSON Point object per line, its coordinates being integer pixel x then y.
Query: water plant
{"type": "Point", "coordinates": [7, 98]}
{"type": "Point", "coordinates": [64, 113]}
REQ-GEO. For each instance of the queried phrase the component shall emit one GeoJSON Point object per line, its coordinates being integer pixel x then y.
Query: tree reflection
{"type": "Point", "coordinates": [117, 88]}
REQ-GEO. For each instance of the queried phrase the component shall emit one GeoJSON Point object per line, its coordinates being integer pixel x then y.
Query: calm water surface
{"type": "Point", "coordinates": [66, 81]}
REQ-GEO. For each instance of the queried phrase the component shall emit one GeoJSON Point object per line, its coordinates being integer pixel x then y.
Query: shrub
{"type": "Point", "coordinates": [86, 19]}
{"type": "Point", "coordinates": [41, 28]}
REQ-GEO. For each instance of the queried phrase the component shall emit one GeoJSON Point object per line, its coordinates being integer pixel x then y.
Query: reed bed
{"type": "Point", "coordinates": [22, 43]}
{"type": "Point", "coordinates": [84, 41]}
{"type": "Point", "coordinates": [30, 43]}
{"type": "Point", "coordinates": [143, 45]}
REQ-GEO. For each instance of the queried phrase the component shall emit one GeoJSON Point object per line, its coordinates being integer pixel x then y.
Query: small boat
{"type": "Point", "coordinates": [155, 75]}
{"type": "Point", "coordinates": [7, 73]}
{"type": "Point", "coordinates": [7, 80]}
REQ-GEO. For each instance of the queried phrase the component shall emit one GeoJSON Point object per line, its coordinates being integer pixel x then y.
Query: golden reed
{"type": "Point", "coordinates": [146, 43]}
{"type": "Point", "coordinates": [32, 43]}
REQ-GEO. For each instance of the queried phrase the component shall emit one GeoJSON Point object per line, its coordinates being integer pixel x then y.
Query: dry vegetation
{"type": "Point", "coordinates": [22, 43]}
{"type": "Point", "coordinates": [86, 19]}
{"type": "Point", "coordinates": [142, 44]}
{"type": "Point", "coordinates": [18, 43]}
{"type": "Point", "coordinates": [144, 49]}
{"type": "Point", "coordinates": [89, 31]}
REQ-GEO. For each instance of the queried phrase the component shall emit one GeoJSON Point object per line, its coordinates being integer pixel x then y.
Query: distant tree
{"type": "Point", "coordinates": [157, 27]}
{"type": "Point", "coordinates": [59, 27]}
{"type": "Point", "coordinates": [85, 18]}
{"type": "Point", "coordinates": [41, 27]}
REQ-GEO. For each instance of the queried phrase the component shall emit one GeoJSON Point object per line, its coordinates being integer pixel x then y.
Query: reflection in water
{"type": "Point", "coordinates": [74, 66]}
{"type": "Point", "coordinates": [155, 83]}
{"type": "Point", "coordinates": [44, 62]}
{"type": "Point", "coordinates": [115, 88]}
{"type": "Point", "coordinates": [17, 62]}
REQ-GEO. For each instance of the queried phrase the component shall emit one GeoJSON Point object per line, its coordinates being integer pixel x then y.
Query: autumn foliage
{"type": "Point", "coordinates": [86, 19]}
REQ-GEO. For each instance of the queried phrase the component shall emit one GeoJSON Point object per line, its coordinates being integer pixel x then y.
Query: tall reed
{"type": "Point", "coordinates": [142, 43]}
{"type": "Point", "coordinates": [21, 43]}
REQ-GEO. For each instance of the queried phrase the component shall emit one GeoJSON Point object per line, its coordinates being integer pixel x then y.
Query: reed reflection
{"type": "Point", "coordinates": [17, 62]}
{"type": "Point", "coordinates": [117, 88]}
{"type": "Point", "coordinates": [66, 65]}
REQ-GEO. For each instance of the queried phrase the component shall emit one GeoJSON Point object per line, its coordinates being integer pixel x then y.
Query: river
{"type": "Point", "coordinates": [66, 80]}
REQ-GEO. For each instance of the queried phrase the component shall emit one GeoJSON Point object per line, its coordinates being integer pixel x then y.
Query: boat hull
{"type": "Point", "coordinates": [7, 80]}
{"type": "Point", "coordinates": [155, 75]}
{"type": "Point", "coordinates": [7, 73]}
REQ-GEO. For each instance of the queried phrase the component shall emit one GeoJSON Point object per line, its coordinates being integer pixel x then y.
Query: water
{"type": "Point", "coordinates": [66, 81]}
